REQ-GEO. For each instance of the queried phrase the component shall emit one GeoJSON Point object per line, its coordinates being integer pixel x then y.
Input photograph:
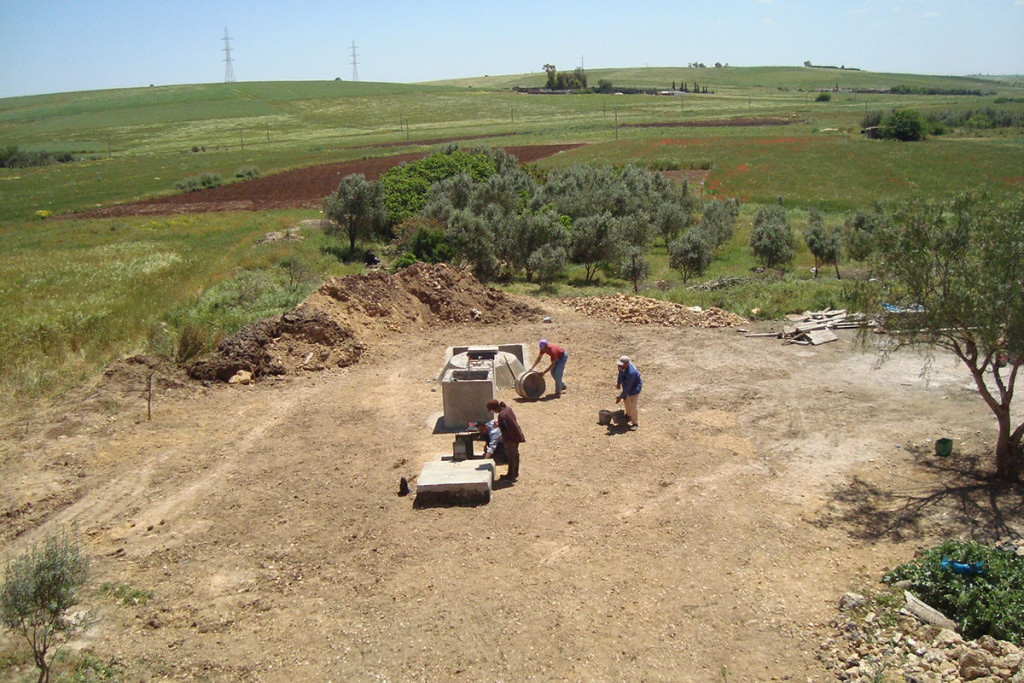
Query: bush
{"type": "Point", "coordinates": [39, 588]}
{"type": "Point", "coordinates": [823, 97]}
{"type": "Point", "coordinates": [199, 182]}
{"type": "Point", "coordinates": [691, 254]}
{"type": "Point", "coordinates": [771, 238]}
{"type": "Point", "coordinates": [192, 341]}
{"type": "Point", "coordinates": [404, 261]}
{"type": "Point", "coordinates": [990, 603]}
{"type": "Point", "coordinates": [247, 172]}
{"type": "Point", "coordinates": [431, 245]}
{"type": "Point", "coordinates": [904, 125]}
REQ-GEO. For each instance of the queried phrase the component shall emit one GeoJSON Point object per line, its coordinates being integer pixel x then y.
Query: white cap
{"type": "Point", "coordinates": [623, 360]}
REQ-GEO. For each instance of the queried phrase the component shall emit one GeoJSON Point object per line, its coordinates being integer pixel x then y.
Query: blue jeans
{"type": "Point", "coordinates": [557, 370]}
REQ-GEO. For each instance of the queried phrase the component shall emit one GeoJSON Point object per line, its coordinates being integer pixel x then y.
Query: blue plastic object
{"type": "Point", "coordinates": [964, 568]}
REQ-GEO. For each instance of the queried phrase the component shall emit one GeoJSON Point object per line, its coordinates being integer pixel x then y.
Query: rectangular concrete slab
{"type": "Point", "coordinates": [467, 481]}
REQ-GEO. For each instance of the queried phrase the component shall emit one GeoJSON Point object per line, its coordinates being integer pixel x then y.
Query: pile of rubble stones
{"type": "Point", "coordinates": [867, 649]}
{"type": "Point", "coordinates": [643, 311]}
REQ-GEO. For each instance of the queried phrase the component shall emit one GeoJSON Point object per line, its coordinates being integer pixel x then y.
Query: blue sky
{"type": "Point", "coordinates": [66, 45]}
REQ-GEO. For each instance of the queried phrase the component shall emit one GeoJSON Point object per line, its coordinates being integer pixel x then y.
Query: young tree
{"type": "Point", "coordinates": [957, 265]}
{"type": "Point", "coordinates": [859, 233]}
{"type": "Point", "coordinates": [771, 238]}
{"type": "Point", "coordinates": [718, 222]}
{"type": "Point", "coordinates": [822, 242]}
{"type": "Point", "coordinates": [547, 262]}
{"type": "Point", "coordinates": [691, 254]}
{"type": "Point", "coordinates": [528, 232]}
{"type": "Point", "coordinates": [356, 208]}
{"type": "Point", "coordinates": [635, 266]}
{"type": "Point", "coordinates": [594, 240]}
{"type": "Point", "coordinates": [39, 588]}
{"type": "Point", "coordinates": [473, 242]}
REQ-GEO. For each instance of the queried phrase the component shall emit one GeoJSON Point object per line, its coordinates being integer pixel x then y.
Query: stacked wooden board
{"type": "Point", "coordinates": [815, 328]}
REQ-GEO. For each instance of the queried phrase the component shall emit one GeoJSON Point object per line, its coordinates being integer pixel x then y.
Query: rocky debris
{"type": "Point", "coordinates": [871, 648]}
{"type": "Point", "coordinates": [336, 324]}
{"type": "Point", "coordinates": [640, 310]}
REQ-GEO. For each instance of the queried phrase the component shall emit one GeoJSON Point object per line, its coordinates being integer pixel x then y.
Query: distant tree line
{"type": "Point", "coordinates": [829, 66]}
{"type": "Point", "coordinates": [12, 157]}
{"type": "Point", "coordinates": [918, 90]}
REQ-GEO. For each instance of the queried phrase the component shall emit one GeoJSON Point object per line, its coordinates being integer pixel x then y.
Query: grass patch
{"type": "Point", "coordinates": [126, 594]}
{"type": "Point", "coordinates": [77, 294]}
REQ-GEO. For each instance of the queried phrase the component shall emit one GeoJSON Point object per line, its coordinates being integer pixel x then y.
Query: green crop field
{"type": "Point", "coordinates": [75, 293]}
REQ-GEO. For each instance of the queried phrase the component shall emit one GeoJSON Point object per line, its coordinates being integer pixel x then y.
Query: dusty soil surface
{"type": "Point", "coordinates": [300, 188]}
{"type": "Point", "coordinates": [764, 481]}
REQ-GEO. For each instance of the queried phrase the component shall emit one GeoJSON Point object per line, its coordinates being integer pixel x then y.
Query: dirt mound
{"type": "Point", "coordinates": [643, 311]}
{"type": "Point", "coordinates": [336, 324]}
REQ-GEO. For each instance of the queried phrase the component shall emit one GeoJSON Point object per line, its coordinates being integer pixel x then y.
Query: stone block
{"type": "Point", "coordinates": [447, 481]}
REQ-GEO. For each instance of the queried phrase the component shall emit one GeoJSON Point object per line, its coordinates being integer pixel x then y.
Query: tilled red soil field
{"type": "Point", "coordinates": [300, 188]}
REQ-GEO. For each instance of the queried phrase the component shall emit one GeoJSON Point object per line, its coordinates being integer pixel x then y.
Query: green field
{"type": "Point", "coordinates": [76, 293]}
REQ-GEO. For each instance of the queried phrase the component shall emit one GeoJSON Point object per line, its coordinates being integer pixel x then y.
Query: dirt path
{"type": "Point", "coordinates": [761, 485]}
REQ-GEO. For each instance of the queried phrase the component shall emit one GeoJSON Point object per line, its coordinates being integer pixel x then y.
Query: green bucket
{"type": "Point", "coordinates": [943, 447]}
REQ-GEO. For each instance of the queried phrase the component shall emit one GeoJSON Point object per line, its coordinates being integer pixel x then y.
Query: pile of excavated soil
{"type": "Point", "coordinates": [643, 311]}
{"type": "Point", "coordinates": [336, 324]}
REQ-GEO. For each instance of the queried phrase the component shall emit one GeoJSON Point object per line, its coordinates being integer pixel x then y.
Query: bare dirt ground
{"type": "Point", "coordinates": [765, 480]}
{"type": "Point", "coordinates": [300, 188]}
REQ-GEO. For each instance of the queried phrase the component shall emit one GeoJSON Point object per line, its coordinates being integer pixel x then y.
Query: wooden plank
{"type": "Point", "coordinates": [751, 335]}
{"type": "Point", "coordinates": [818, 337]}
{"type": "Point", "coordinates": [927, 613]}
{"type": "Point", "coordinates": [789, 330]}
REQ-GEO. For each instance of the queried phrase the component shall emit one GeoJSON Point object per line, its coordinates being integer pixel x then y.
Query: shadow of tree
{"type": "Point", "coordinates": [962, 501]}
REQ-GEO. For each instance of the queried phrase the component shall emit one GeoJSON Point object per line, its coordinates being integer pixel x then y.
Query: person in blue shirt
{"type": "Point", "coordinates": [630, 385]}
{"type": "Point", "coordinates": [491, 433]}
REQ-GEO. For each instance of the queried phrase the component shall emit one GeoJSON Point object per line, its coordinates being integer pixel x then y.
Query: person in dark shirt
{"type": "Point", "coordinates": [511, 436]}
{"type": "Point", "coordinates": [630, 384]}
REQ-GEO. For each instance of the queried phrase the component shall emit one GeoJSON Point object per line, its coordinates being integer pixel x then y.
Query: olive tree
{"type": "Point", "coordinates": [771, 237]}
{"type": "Point", "coordinates": [859, 233]}
{"type": "Point", "coordinates": [635, 267]}
{"type": "Point", "coordinates": [40, 586]}
{"type": "Point", "coordinates": [594, 241]}
{"type": "Point", "coordinates": [356, 208]}
{"type": "Point", "coordinates": [954, 270]}
{"type": "Point", "coordinates": [691, 254]}
{"type": "Point", "coordinates": [822, 242]}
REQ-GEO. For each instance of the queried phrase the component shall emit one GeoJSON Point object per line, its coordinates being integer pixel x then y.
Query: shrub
{"type": "Point", "coordinates": [771, 238]}
{"type": "Point", "coordinates": [404, 261]}
{"type": "Point", "coordinates": [548, 262]}
{"type": "Point", "coordinates": [199, 182]}
{"type": "Point", "coordinates": [431, 245]}
{"type": "Point", "coordinates": [823, 97]}
{"type": "Point", "coordinates": [691, 254]}
{"type": "Point", "coordinates": [904, 125]}
{"type": "Point", "coordinates": [247, 172]}
{"type": "Point", "coordinates": [39, 588]}
{"type": "Point", "coordinates": [192, 341]}
{"type": "Point", "coordinates": [990, 603]}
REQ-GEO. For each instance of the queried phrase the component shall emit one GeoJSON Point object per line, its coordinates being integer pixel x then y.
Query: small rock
{"type": "Point", "coordinates": [241, 377]}
{"type": "Point", "coordinates": [851, 601]}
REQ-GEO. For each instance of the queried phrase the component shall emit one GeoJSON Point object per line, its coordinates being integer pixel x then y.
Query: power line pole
{"type": "Point", "coordinates": [229, 71]}
{"type": "Point", "coordinates": [355, 69]}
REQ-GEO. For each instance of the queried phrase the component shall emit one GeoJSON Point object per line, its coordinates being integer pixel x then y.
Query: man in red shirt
{"type": "Point", "coordinates": [558, 358]}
